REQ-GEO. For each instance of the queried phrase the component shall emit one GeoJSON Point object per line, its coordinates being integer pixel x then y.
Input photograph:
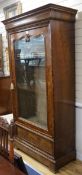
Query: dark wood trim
{"type": "Point", "coordinates": [49, 11]}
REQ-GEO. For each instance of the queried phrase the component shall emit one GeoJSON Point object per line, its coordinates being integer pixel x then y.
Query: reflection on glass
{"type": "Point", "coordinates": [30, 77]}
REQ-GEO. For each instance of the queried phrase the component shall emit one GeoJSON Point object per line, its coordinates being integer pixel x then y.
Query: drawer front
{"type": "Point", "coordinates": [44, 143]}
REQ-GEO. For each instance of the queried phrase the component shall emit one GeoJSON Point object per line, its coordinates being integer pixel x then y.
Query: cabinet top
{"type": "Point", "coordinates": [44, 13]}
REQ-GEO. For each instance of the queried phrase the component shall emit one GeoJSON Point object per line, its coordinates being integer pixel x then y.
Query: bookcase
{"type": "Point", "coordinates": [42, 64]}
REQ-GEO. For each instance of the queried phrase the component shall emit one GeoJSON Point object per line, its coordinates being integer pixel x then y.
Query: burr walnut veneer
{"type": "Point", "coordinates": [42, 61]}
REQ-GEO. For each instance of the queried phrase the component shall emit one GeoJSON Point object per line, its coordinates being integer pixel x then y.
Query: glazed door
{"type": "Point", "coordinates": [31, 75]}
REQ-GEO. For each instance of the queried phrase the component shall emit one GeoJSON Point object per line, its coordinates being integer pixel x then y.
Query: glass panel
{"type": "Point", "coordinates": [31, 79]}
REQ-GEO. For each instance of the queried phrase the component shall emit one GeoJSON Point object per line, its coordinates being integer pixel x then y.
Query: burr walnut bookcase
{"type": "Point", "coordinates": [42, 61]}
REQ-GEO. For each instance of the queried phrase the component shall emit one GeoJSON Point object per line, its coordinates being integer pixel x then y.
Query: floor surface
{"type": "Point", "coordinates": [73, 168]}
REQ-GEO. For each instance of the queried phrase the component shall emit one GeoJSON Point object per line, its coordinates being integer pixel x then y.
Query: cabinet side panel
{"type": "Point", "coordinates": [63, 55]}
{"type": "Point", "coordinates": [5, 96]}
